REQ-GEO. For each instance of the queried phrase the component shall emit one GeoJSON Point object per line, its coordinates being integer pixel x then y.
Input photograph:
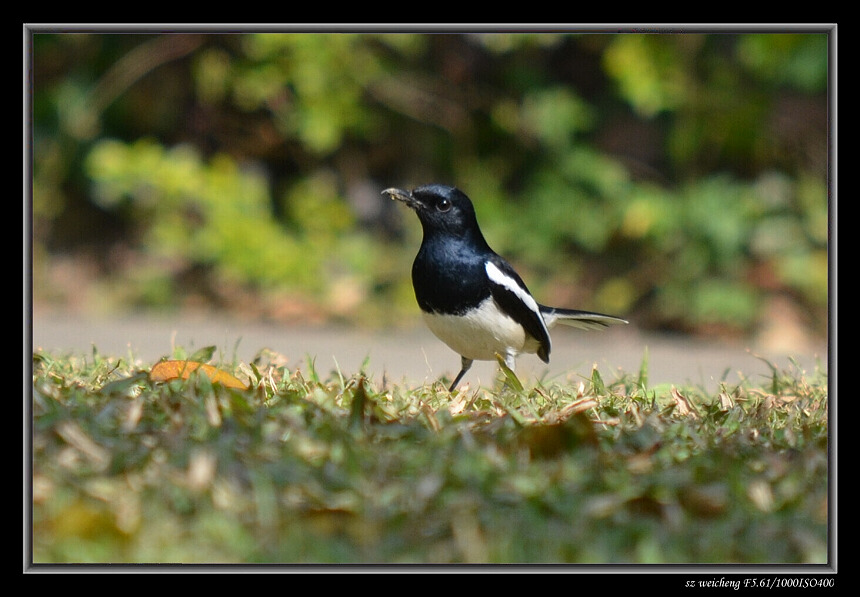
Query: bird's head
{"type": "Point", "coordinates": [441, 209]}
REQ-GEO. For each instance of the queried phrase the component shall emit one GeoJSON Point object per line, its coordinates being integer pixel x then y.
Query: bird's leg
{"type": "Point", "coordinates": [511, 360]}
{"type": "Point", "coordinates": [464, 366]}
{"type": "Point", "coordinates": [510, 377]}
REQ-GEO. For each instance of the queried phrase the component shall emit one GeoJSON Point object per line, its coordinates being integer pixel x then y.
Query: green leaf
{"type": "Point", "coordinates": [643, 370]}
{"type": "Point", "coordinates": [203, 355]}
{"type": "Point", "coordinates": [510, 377]}
{"type": "Point", "coordinates": [597, 382]}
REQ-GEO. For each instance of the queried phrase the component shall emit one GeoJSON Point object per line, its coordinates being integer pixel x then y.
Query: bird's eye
{"type": "Point", "coordinates": [443, 205]}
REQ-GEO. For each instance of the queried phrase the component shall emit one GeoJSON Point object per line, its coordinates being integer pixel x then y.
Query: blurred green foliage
{"type": "Point", "coordinates": [681, 180]}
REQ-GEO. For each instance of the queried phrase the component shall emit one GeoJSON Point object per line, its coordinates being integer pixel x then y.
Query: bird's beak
{"type": "Point", "coordinates": [404, 196]}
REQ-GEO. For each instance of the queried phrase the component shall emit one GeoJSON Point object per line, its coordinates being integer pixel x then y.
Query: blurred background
{"type": "Point", "coordinates": [679, 180]}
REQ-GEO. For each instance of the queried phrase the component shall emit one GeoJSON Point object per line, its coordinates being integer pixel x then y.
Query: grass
{"type": "Point", "coordinates": [303, 467]}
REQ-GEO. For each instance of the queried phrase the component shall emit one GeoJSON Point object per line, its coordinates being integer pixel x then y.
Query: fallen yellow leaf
{"type": "Point", "coordinates": [167, 370]}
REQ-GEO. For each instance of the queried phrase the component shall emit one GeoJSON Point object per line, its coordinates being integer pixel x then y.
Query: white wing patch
{"type": "Point", "coordinates": [499, 277]}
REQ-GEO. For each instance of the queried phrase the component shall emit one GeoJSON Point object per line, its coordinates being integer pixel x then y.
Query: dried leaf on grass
{"type": "Point", "coordinates": [682, 405]}
{"type": "Point", "coordinates": [167, 370]}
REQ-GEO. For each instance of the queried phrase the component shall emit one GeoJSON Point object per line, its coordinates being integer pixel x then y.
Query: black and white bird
{"type": "Point", "coordinates": [470, 297]}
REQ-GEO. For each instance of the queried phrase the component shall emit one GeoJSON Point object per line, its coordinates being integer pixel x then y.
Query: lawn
{"type": "Point", "coordinates": [303, 466]}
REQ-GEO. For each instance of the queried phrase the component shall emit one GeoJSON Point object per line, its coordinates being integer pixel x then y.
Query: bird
{"type": "Point", "coordinates": [470, 297]}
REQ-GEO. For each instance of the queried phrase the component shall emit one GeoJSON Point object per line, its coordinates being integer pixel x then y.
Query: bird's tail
{"type": "Point", "coordinates": [585, 320]}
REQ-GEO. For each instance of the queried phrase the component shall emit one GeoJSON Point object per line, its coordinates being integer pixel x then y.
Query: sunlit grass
{"type": "Point", "coordinates": [313, 467]}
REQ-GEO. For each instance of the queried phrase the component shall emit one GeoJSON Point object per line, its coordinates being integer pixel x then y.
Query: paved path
{"type": "Point", "coordinates": [415, 355]}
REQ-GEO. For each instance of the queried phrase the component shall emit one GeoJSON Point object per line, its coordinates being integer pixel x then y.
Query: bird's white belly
{"type": "Point", "coordinates": [481, 333]}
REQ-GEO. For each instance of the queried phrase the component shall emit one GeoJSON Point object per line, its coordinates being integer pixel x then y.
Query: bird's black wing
{"type": "Point", "coordinates": [511, 294]}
